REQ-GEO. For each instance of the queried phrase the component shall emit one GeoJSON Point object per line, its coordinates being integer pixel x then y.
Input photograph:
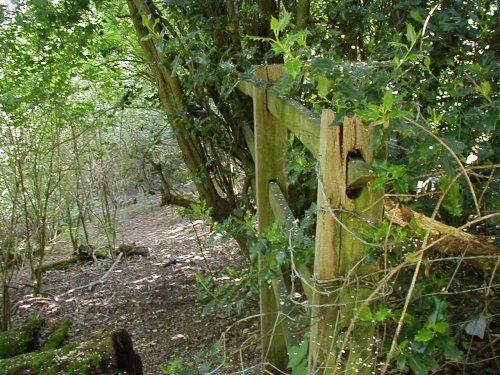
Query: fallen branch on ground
{"type": "Point", "coordinates": [91, 285]}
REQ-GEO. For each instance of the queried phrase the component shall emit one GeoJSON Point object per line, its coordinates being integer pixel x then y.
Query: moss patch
{"type": "Point", "coordinates": [57, 337]}
{"type": "Point", "coordinates": [21, 339]}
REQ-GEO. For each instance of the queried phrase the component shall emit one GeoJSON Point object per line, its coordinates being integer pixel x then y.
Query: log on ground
{"type": "Point", "coordinates": [110, 353]}
{"type": "Point", "coordinates": [21, 339]}
{"type": "Point", "coordinates": [131, 250]}
{"type": "Point", "coordinates": [57, 337]}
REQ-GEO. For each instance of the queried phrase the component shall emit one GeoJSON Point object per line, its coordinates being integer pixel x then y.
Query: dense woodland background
{"type": "Point", "coordinates": [100, 99]}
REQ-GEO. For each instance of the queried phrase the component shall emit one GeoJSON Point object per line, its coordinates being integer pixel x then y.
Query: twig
{"type": "Point", "coordinates": [200, 247]}
{"type": "Point", "coordinates": [454, 155]}
{"type": "Point", "coordinates": [413, 283]}
{"type": "Point", "coordinates": [391, 274]}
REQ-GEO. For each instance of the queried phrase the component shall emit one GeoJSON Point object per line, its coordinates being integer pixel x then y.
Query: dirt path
{"type": "Point", "coordinates": [154, 298]}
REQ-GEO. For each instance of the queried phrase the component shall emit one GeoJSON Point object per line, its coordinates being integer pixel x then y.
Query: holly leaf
{"type": "Point", "coordinates": [382, 314]}
{"type": "Point", "coordinates": [425, 334]}
{"type": "Point", "coordinates": [449, 348]}
{"type": "Point", "coordinates": [411, 35]}
{"type": "Point", "coordinates": [284, 21]}
{"type": "Point", "coordinates": [323, 86]}
{"type": "Point", "coordinates": [416, 16]}
{"type": "Point", "coordinates": [422, 364]}
{"type": "Point", "coordinates": [293, 67]}
{"type": "Point", "coordinates": [454, 200]}
{"type": "Point", "coordinates": [365, 315]}
{"type": "Point", "coordinates": [275, 24]}
{"type": "Point", "coordinates": [441, 327]}
{"type": "Point", "coordinates": [388, 101]}
{"type": "Point", "coordinates": [438, 312]}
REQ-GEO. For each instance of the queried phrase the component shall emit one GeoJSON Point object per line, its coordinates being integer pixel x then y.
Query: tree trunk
{"type": "Point", "coordinates": [171, 96]}
{"type": "Point", "coordinates": [167, 197]}
{"type": "Point", "coordinates": [302, 14]}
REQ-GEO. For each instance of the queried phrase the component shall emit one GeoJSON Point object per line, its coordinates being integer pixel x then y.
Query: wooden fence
{"type": "Point", "coordinates": [339, 281]}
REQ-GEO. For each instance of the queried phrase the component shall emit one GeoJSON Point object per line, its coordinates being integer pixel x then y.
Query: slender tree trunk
{"type": "Point", "coordinates": [302, 14]}
{"type": "Point", "coordinates": [167, 197]}
{"type": "Point", "coordinates": [171, 96]}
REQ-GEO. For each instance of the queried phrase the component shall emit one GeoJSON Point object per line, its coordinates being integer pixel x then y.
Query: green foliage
{"type": "Point", "coordinates": [204, 361]}
{"type": "Point", "coordinates": [425, 339]}
{"type": "Point", "coordinates": [174, 368]}
{"type": "Point", "coordinates": [302, 178]}
{"type": "Point", "coordinates": [410, 69]}
{"type": "Point", "coordinates": [277, 245]}
{"type": "Point", "coordinates": [391, 77]}
{"type": "Point", "coordinates": [298, 358]}
{"type": "Point", "coordinates": [231, 293]}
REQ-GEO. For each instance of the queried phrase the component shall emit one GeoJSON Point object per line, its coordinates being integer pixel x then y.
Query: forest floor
{"type": "Point", "coordinates": [154, 298]}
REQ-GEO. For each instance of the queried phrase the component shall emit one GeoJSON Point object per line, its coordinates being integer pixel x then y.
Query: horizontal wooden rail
{"type": "Point", "coordinates": [245, 87]}
{"type": "Point", "coordinates": [297, 118]}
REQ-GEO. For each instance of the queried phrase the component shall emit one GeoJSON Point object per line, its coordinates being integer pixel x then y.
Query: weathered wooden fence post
{"type": "Point", "coordinates": [345, 206]}
{"type": "Point", "coordinates": [270, 161]}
